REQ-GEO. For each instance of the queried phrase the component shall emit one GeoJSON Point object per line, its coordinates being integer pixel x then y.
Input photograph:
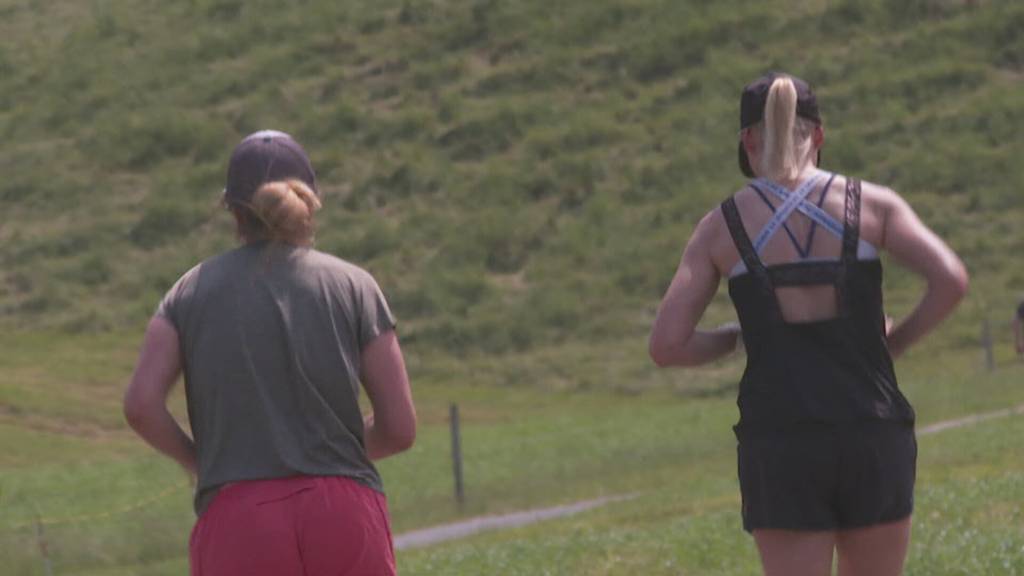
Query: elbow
{"type": "Point", "coordinates": [659, 354]}
{"type": "Point", "coordinates": [962, 282]}
{"type": "Point", "coordinates": [669, 354]}
{"type": "Point", "coordinates": [951, 285]}
{"type": "Point", "coordinates": [405, 439]}
{"type": "Point", "coordinates": [139, 408]}
{"type": "Point", "coordinates": [402, 438]}
{"type": "Point", "coordinates": [958, 283]}
{"type": "Point", "coordinates": [134, 411]}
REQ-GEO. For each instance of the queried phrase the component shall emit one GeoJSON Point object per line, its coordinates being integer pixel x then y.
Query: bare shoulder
{"type": "Point", "coordinates": [713, 237]}
{"type": "Point", "coordinates": [715, 219]}
{"type": "Point", "coordinates": [711, 223]}
{"type": "Point", "coordinates": [877, 196]}
{"type": "Point", "coordinates": [711, 228]}
{"type": "Point", "coordinates": [877, 205]}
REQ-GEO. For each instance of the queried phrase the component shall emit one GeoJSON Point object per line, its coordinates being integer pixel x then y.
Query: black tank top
{"type": "Point", "coordinates": [829, 371]}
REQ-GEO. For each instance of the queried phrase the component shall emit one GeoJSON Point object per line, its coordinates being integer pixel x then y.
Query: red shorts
{"type": "Point", "coordinates": [306, 526]}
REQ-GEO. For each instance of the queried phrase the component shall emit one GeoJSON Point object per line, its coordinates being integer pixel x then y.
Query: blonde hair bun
{"type": "Point", "coordinates": [286, 208]}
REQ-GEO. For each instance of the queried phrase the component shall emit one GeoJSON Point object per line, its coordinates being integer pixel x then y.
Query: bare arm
{"type": "Point", "coordinates": [675, 340]}
{"type": "Point", "coordinates": [145, 400]}
{"type": "Point", "coordinates": [913, 245]}
{"type": "Point", "coordinates": [391, 428]}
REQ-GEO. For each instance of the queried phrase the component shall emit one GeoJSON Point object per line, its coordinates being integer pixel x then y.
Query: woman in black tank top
{"type": "Point", "coordinates": [826, 447]}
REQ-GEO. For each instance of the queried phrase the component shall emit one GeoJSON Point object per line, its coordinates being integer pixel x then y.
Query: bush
{"type": "Point", "coordinates": [91, 271]}
{"type": "Point", "coordinates": [163, 221]}
{"type": "Point", "coordinates": [658, 56]}
{"type": "Point", "coordinates": [378, 238]}
{"type": "Point", "coordinates": [144, 138]}
{"type": "Point", "coordinates": [479, 137]}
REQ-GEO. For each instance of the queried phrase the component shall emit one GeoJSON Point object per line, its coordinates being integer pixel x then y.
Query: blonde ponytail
{"type": "Point", "coordinates": [283, 211]}
{"type": "Point", "coordinates": [786, 139]}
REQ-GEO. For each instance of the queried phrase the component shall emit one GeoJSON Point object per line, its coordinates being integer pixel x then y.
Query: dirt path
{"type": "Point", "coordinates": [968, 420]}
{"type": "Point", "coordinates": [455, 530]}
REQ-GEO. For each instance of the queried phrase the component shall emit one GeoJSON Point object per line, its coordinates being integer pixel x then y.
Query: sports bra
{"type": "Point", "coordinates": [764, 186]}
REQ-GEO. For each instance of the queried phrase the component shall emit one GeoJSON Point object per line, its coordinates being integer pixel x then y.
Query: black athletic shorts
{"type": "Point", "coordinates": [823, 477]}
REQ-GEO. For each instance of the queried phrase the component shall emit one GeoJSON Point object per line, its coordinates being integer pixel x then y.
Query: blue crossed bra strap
{"type": "Point", "coordinates": [809, 209]}
{"type": "Point", "coordinates": [805, 249]}
{"type": "Point", "coordinates": [791, 201]}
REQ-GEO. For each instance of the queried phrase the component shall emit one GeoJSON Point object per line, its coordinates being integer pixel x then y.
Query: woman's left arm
{"type": "Point", "coordinates": [145, 400]}
{"type": "Point", "coordinates": [675, 340]}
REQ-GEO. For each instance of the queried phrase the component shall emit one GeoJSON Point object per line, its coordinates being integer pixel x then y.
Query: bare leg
{"type": "Point", "coordinates": [874, 551]}
{"type": "Point", "coordinates": [795, 553]}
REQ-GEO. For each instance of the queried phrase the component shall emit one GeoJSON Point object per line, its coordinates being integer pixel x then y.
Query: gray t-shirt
{"type": "Point", "coordinates": [271, 337]}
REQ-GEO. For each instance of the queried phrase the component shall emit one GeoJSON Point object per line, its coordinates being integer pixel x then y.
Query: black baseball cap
{"type": "Point", "coordinates": [754, 98]}
{"type": "Point", "coordinates": [266, 156]}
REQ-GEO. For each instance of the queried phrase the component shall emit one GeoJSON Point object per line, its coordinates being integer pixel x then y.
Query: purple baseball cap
{"type": "Point", "coordinates": [754, 98]}
{"type": "Point", "coordinates": [266, 156]}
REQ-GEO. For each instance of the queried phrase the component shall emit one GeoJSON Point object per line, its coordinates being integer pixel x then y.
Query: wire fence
{"type": "Point", "coordinates": [151, 528]}
{"type": "Point", "coordinates": [118, 529]}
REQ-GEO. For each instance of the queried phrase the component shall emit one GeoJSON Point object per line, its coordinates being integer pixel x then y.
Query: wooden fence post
{"type": "Point", "coordinates": [453, 413]}
{"type": "Point", "coordinates": [43, 547]}
{"type": "Point", "coordinates": [986, 342]}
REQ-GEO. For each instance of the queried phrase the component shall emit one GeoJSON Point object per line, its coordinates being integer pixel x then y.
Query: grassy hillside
{"type": "Point", "coordinates": [521, 176]}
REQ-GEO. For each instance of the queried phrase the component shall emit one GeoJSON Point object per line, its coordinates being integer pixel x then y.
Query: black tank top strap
{"type": "Point", "coordinates": [740, 238]}
{"type": "Point", "coordinates": [851, 240]}
{"type": "Point", "coordinates": [747, 253]}
{"type": "Point", "coordinates": [851, 221]}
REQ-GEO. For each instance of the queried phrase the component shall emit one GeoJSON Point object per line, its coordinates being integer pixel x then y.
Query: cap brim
{"type": "Point", "coordinates": [745, 162]}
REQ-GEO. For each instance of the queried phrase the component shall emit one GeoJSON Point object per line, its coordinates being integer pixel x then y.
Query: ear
{"type": "Point", "coordinates": [240, 220]}
{"type": "Point", "coordinates": [818, 137]}
{"type": "Point", "coordinates": [751, 141]}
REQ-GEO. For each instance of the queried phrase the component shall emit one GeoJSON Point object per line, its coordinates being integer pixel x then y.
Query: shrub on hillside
{"type": "Point", "coordinates": [476, 138]}
{"type": "Point", "coordinates": [378, 239]}
{"type": "Point", "coordinates": [144, 138]}
{"type": "Point", "coordinates": [164, 220]}
{"type": "Point", "coordinates": [90, 271]}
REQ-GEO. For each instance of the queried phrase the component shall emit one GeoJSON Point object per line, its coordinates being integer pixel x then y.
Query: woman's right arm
{"type": "Point", "coordinates": [916, 247]}
{"type": "Point", "coordinates": [675, 339]}
{"type": "Point", "coordinates": [391, 427]}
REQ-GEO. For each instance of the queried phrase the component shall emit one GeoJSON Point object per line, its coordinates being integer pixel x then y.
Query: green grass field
{"type": "Point", "coordinates": [520, 177]}
{"type": "Point", "coordinates": [110, 507]}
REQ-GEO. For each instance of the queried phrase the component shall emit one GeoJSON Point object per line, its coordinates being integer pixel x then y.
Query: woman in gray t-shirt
{"type": "Point", "coordinates": [274, 340]}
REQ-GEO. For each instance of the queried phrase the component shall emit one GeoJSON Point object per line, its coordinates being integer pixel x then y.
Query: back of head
{"type": "Point", "coordinates": [271, 188]}
{"type": "Point", "coordinates": [785, 142]}
{"type": "Point", "coordinates": [784, 111]}
{"type": "Point", "coordinates": [282, 212]}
